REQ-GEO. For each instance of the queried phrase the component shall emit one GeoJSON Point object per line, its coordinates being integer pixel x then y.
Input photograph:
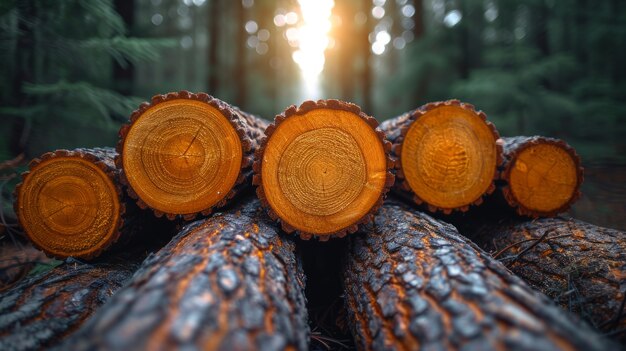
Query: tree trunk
{"type": "Point", "coordinates": [323, 169]}
{"type": "Point", "coordinates": [446, 155]}
{"type": "Point", "coordinates": [41, 311]}
{"type": "Point", "coordinates": [414, 282]}
{"type": "Point", "coordinates": [123, 76]}
{"type": "Point", "coordinates": [542, 175]}
{"type": "Point", "coordinates": [70, 203]}
{"type": "Point", "coordinates": [580, 266]}
{"type": "Point", "coordinates": [241, 85]}
{"type": "Point", "coordinates": [230, 282]}
{"type": "Point", "coordinates": [186, 154]}
{"type": "Point", "coordinates": [214, 9]}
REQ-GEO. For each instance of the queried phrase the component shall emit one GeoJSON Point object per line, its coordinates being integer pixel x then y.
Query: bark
{"type": "Point", "coordinates": [414, 282]}
{"type": "Point", "coordinates": [249, 127]}
{"type": "Point", "coordinates": [230, 282]}
{"type": "Point", "coordinates": [582, 267]}
{"type": "Point", "coordinates": [39, 312]}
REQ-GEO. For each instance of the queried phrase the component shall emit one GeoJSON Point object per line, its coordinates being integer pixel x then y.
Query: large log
{"type": "Point", "coordinates": [186, 154]}
{"type": "Point", "coordinates": [582, 267]}
{"type": "Point", "coordinates": [70, 203]}
{"type": "Point", "coordinates": [323, 169]}
{"type": "Point", "coordinates": [542, 175]}
{"type": "Point", "coordinates": [40, 311]}
{"type": "Point", "coordinates": [413, 282]}
{"type": "Point", "coordinates": [446, 155]}
{"type": "Point", "coordinates": [230, 282]}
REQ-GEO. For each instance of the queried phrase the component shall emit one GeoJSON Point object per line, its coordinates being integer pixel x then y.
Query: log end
{"type": "Point", "coordinates": [449, 155]}
{"type": "Point", "coordinates": [543, 177]}
{"type": "Point", "coordinates": [182, 154]}
{"type": "Point", "coordinates": [69, 205]}
{"type": "Point", "coordinates": [314, 174]}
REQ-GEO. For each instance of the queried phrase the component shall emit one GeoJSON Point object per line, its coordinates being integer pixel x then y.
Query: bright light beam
{"type": "Point", "coordinates": [312, 42]}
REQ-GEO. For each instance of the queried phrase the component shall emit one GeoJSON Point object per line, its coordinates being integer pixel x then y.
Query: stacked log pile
{"type": "Point", "coordinates": [235, 279]}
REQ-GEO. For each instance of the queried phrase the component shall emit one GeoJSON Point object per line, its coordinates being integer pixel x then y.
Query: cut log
{"type": "Point", "coordinates": [582, 267]}
{"type": "Point", "coordinates": [70, 203]}
{"type": "Point", "coordinates": [323, 169]}
{"type": "Point", "coordinates": [447, 155]}
{"type": "Point", "coordinates": [185, 154]}
{"type": "Point", "coordinates": [413, 282]}
{"type": "Point", "coordinates": [39, 312]}
{"type": "Point", "coordinates": [542, 175]}
{"type": "Point", "coordinates": [230, 282]}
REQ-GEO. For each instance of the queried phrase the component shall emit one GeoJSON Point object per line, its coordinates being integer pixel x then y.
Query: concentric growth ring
{"type": "Point", "coordinates": [68, 206]}
{"type": "Point", "coordinates": [449, 156]}
{"type": "Point", "coordinates": [543, 176]}
{"type": "Point", "coordinates": [181, 156]}
{"type": "Point", "coordinates": [323, 168]}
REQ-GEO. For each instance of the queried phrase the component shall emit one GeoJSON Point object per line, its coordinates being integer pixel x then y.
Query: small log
{"type": "Point", "coordinates": [40, 311]}
{"type": "Point", "coordinates": [70, 203]}
{"type": "Point", "coordinates": [230, 282]}
{"type": "Point", "coordinates": [582, 267]}
{"type": "Point", "coordinates": [542, 175]}
{"type": "Point", "coordinates": [323, 169]}
{"type": "Point", "coordinates": [186, 154]}
{"type": "Point", "coordinates": [413, 282]}
{"type": "Point", "coordinates": [447, 155]}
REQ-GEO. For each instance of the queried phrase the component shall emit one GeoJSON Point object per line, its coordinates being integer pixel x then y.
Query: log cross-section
{"type": "Point", "coordinates": [447, 155]}
{"type": "Point", "coordinates": [70, 203]}
{"type": "Point", "coordinates": [542, 175]}
{"type": "Point", "coordinates": [185, 154]}
{"type": "Point", "coordinates": [230, 282]}
{"type": "Point", "coordinates": [323, 168]}
{"type": "Point", "coordinates": [413, 282]}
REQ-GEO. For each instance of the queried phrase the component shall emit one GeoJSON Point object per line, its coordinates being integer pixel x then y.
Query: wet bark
{"type": "Point", "coordinates": [414, 282]}
{"type": "Point", "coordinates": [230, 282]}
{"type": "Point", "coordinates": [40, 311]}
{"type": "Point", "coordinates": [580, 266]}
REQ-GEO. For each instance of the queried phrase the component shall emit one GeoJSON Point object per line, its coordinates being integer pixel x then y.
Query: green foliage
{"type": "Point", "coordinates": [537, 67]}
{"type": "Point", "coordinates": [59, 59]}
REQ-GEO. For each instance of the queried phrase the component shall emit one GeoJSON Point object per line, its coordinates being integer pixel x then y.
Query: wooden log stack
{"type": "Point", "coordinates": [322, 170]}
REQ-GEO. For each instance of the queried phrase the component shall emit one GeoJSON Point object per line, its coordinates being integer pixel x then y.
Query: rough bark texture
{"type": "Point", "coordinates": [512, 146]}
{"type": "Point", "coordinates": [582, 267]}
{"type": "Point", "coordinates": [230, 282]}
{"type": "Point", "coordinates": [396, 129]}
{"type": "Point", "coordinates": [249, 127]}
{"type": "Point", "coordinates": [305, 107]}
{"type": "Point", "coordinates": [414, 282]}
{"type": "Point", "coordinates": [41, 311]}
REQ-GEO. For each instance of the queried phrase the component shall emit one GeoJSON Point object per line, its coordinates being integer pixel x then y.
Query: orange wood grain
{"type": "Point", "coordinates": [323, 168]}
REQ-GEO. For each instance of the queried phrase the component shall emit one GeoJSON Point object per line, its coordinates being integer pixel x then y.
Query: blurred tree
{"type": "Point", "coordinates": [60, 56]}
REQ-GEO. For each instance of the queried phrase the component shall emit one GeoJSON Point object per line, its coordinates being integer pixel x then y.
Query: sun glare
{"type": "Point", "coordinates": [312, 41]}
